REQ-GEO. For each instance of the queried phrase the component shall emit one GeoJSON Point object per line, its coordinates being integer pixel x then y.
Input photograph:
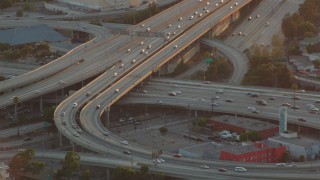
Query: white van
{"type": "Point", "coordinates": [240, 169]}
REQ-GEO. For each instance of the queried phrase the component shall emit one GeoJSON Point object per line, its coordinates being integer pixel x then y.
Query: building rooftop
{"type": "Point", "coordinates": [245, 123]}
{"type": "Point", "coordinates": [30, 34]}
{"type": "Point", "coordinates": [246, 147]}
{"type": "Point", "coordinates": [299, 141]}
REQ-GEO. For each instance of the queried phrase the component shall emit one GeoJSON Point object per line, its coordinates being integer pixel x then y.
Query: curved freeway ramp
{"type": "Point", "coordinates": [237, 58]}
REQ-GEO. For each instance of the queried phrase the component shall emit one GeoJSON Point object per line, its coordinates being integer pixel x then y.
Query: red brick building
{"type": "Point", "coordinates": [253, 152]}
{"type": "Point", "coordinates": [239, 125]}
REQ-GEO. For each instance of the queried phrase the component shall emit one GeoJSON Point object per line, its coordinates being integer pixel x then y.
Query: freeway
{"type": "Point", "coordinates": [87, 139]}
{"type": "Point", "coordinates": [65, 70]}
{"type": "Point", "coordinates": [260, 30]}
{"type": "Point", "coordinates": [93, 137]}
{"type": "Point", "coordinates": [199, 96]}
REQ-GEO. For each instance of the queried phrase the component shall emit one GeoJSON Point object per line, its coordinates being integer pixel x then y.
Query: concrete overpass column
{"type": "Point", "coordinates": [108, 174]}
{"type": "Point", "coordinates": [41, 108]}
{"type": "Point", "coordinates": [106, 113]}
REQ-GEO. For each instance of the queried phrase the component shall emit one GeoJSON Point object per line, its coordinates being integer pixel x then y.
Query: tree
{"type": "Point", "coordinates": [306, 27]}
{"type": "Point", "coordinates": [5, 4]}
{"type": "Point", "coordinates": [302, 158]}
{"type": "Point", "coordinates": [163, 130]}
{"type": "Point", "coordinates": [20, 160]}
{"type": "Point", "coordinates": [202, 122]}
{"type": "Point", "coordinates": [26, 50]}
{"type": "Point", "coordinates": [35, 167]}
{"type": "Point", "coordinates": [2, 78]}
{"type": "Point", "coordinates": [71, 163]}
{"type": "Point", "coordinates": [27, 6]}
{"type": "Point", "coordinates": [285, 157]}
{"type": "Point", "coordinates": [19, 13]}
{"type": "Point", "coordinates": [122, 173]}
{"type": "Point", "coordinates": [4, 47]}
{"type": "Point", "coordinates": [289, 27]}
{"type": "Point", "coordinates": [85, 175]}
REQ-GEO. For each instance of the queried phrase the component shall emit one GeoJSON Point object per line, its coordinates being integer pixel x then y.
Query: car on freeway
{"type": "Point", "coordinates": [281, 164]}
{"type": "Point", "coordinates": [229, 100]}
{"type": "Point", "coordinates": [254, 95]}
{"type": "Point", "coordinates": [76, 134]}
{"type": "Point", "coordinates": [222, 170]}
{"type": "Point", "coordinates": [124, 142]}
{"type": "Point", "coordinates": [63, 113]}
{"type": "Point", "coordinates": [272, 98]}
{"type": "Point", "coordinates": [121, 65]}
{"type": "Point", "coordinates": [27, 139]}
{"type": "Point", "coordinates": [219, 91]}
{"type": "Point", "coordinates": [287, 104]}
{"type": "Point", "coordinates": [296, 97]}
{"type": "Point", "coordinates": [105, 133]}
{"type": "Point", "coordinates": [88, 94]}
{"type": "Point", "coordinates": [173, 85]}
{"type": "Point", "coordinates": [148, 29]}
{"type": "Point", "coordinates": [158, 101]}
{"type": "Point", "coordinates": [295, 107]}
{"type": "Point", "coordinates": [126, 152]}
{"type": "Point", "coordinates": [216, 97]}
{"type": "Point", "coordinates": [128, 50]}
{"type": "Point", "coordinates": [302, 119]}
{"type": "Point", "coordinates": [133, 61]}
{"type": "Point", "coordinates": [98, 107]}
{"type": "Point", "coordinates": [240, 169]}
{"type": "Point", "coordinates": [204, 167]}
{"type": "Point", "coordinates": [114, 74]}
{"type": "Point", "coordinates": [74, 105]}
{"type": "Point", "coordinates": [249, 18]}
{"type": "Point", "coordinates": [177, 155]}
{"type": "Point", "coordinates": [214, 104]}
{"type": "Point", "coordinates": [156, 161]}
{"type": "Point", "coordinates": [79, 131]}
{"type": "Point", "coordinates": [116, 90]}
{"type": "Point", "coordinates": [161, 160]}
{"type": "Point", "coordinates": [172, 94]}
{"type": "Point", "coordinates": [74, 126]}
{"type": "Point", "coordinates": [257, 16]}
{"type": "Point", "coordinates": [201, 99]}
{"type": "Point", "coordinates": [178, 92]}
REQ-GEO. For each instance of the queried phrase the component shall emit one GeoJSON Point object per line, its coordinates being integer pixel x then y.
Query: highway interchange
{"type": "Point", "coordinates": [66, 71]}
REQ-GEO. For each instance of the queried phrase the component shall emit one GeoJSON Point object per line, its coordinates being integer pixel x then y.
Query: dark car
{"type": "Point", "coordinates": [222, 170]}
{"type": "Point", "coordinates": [127, 152]}
{"type": "Point", "coordinates": [27, 139]}
{"type": "Point", "coordinates": [302, 119]}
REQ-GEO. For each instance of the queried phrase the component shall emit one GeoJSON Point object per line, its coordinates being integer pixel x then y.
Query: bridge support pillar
{"type": "Point", "coordinates": [107, 113]}
{"type": "Point", "coordinates": [108, 174]}
{"type": "Point", "coordinates": [41, 106]}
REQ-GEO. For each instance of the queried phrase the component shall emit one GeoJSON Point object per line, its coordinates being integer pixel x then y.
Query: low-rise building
{"type": "Point", "coordinates": [298, 146]}
{"type": "Point", "coordinates": [239, 125]}
{"type": "Point", "coordinates": [260, 152]}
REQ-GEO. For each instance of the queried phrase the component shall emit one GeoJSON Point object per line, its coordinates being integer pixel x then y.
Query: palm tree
{"type": "Point", "coordinates": [16, 101]}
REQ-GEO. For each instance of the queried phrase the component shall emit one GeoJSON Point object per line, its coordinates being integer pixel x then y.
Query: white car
{"type": "Point", "coordinates": [116, 90]}
{"type": "Point", "coordinates": [148, 29]}
{"type": "Point", "coordinates": [175, 46]}
{"type": "Point", "coordinates": [161, 160]}
{"type": "Point", "coordinates": [115, 74]}
{"type": "Point", "coordinates": [133, 61]}
{"type": "Point", "coordinates": [149, 46]}
{"type": "Point", "coordinates": [204, 167]}
{"type": "Point", "coordinates": [128, 50]}
{"type": "Point", "coordinates": [76, 134]}
{"type": "Point", "coordinates": [124, 142]}
{"type": "Point", "coordinates": [201, 99]}
{"type": "Point", "coordinates": [74, 105]}
{"type": "Point", "coordinates": [240, 169]}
